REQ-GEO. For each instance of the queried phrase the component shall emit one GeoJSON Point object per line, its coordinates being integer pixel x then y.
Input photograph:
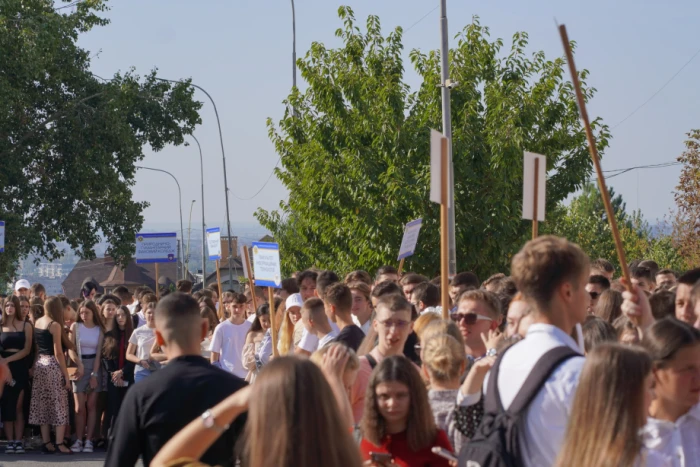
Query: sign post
{"type": "Point", "coordinates": [439, 172]}
{"type": "Point", "coordinates": [409, 241]}
{"type": "Point", "coordinates": [214, 248]}
{"type": "Point", "coordinates": [534, 186]}
{"type": "Point", "coordinates": [156, 248]}
{"type": "Point", "coordinates": [266, 260]}
{"type": "Point", "coordinates": [245, 259]}
{"type": "Point", "coordinates": [2, 236]}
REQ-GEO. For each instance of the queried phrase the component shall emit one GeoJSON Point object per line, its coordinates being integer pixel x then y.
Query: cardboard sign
{"type": "Point", "coordinates": [2, 236]}
{"type": "Point", "coordinates": [529, 186]}
{"type": "Point", "coordinates": [266, 263]}
{"type": "Point", "coordinates": [436, 167]}
{"type": "Point", "coordinates": [156, 247]}
{"type": "Point", "coordinates": [214, 243]}
{"type": "Point", "coordinates": [410, 239]}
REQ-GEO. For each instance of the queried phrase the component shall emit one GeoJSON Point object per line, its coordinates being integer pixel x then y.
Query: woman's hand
{"type": "Point", "coordinates": [117, 375]}
{"type": "Point", "coordinates": [493, 339]}
{"type": "Point", "coordinates": [334, 362]}
{"type": "Point", "coordinates": [93, 382]}
{"type": "Point", "coordinates": [67, 384]}
{"type": "Point", "coordinates": [79, 372]}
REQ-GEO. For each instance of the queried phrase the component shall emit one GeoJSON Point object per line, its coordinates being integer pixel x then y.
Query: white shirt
{"type": "Point", "coordinates": [143, 338]}
{"type": "Point", "coordinates": [364, 327]}
{"type": "Point", "coordinates": [309, 342]}
{"type": "Point", "coordinates": [142, 319]}
{"type": "Point", "coordinates": [251, 318]}
{"type": "Point", "coordinates": [327, 338]}
{"type": "Point", "coordinates": [228, 341]}
{"type": "Point", "coordinates": [680, 441]}
{"type": "Point", "coordinates": [89, 338]}
{"type": "Point", "coordinates": [549, 411]}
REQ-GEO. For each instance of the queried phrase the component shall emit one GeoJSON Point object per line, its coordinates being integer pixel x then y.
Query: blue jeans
{"type": "Point", "coordinates": [141, 374]}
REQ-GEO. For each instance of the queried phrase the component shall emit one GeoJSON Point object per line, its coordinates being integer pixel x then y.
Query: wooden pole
{"type": "Point", "coordinates": [401, 266]}
{"type": "Point", "coordinates": [593, 149]}
{"type": "Point", "coordinates": [221, 313]}
{"type": "Point", "coordinates": [246, 264]}
{"type": "Point", "coordinates": [273, 326]}
{"type": "Point", "coordinates": [157, 284]}
{"type": "Point", "coordinates": [444, 253]}
{"type": "Point", "coordinates": [535, 214]}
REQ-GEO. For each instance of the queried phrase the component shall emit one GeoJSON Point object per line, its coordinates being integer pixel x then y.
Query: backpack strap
{"type": "Point", "coordinates": [543, 369]}
{"type": "Point", "coordinates": [371, 360]}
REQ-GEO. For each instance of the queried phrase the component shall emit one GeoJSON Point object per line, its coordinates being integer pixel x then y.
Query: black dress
{"type": "Point", "coordinates": [20, 373]}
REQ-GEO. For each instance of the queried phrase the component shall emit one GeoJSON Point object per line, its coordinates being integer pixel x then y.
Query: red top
{"type": "Point", "coordinates": [404, 456]}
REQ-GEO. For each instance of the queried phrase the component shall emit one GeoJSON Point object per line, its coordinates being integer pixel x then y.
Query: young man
{"type": "Point", "coordinates": [478, 312]}
{"type": "Point", "coordinates": [409, 282]}
{"type": "Point", "coordinates": [596, 286]}
{"type": "Point", "coordinates": [124, 295]}
{"type": "Point", "coordinates": [653, 266]}
{"type": "Point", "coordinates": [289, 287]}
{"type": "Point", "coordinates": [38, 291]}
{"type": "Point", "coordinates": [338, 305]}
{"type": "Point", "coordinates": [666, 279]}
{"type": "Point", "coordinates": [461, 283]}
{"type": "Point", "coordinates": [228, 340]}
{"type": "Point", "coordinates": [551, 274]}
{"type": "Point", "coordinates": [22, 288]}
{"type": "Point", "coordinates": [157, 408]}
{"type": "Point", "coordinates": [260, 298]}
{"type": "Point", "coordinates": [643, 278]}
{"type": "Point", "coordinates": [313, 315]}
{"type": "Point", "coordinates": [309, 343]}
{"type": "Point", "coordinates": [307, 284]}
{"type": "Point", "coordinates": [684, 302]}
{"type": "Point", "coordinates": [426, 298]}
{"type": "Point", "coordinates": [184, 286]}
{"type": "Point", "coordinates": [602, 267]}
{"type": "Point", "coordinates": [393, 325]}
{"type": "Point", "coordinates": [386, 273]}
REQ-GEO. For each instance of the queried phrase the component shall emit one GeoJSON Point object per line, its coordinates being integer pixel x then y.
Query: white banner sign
{"type": "Point", "coordinates": [529, 186]}
{"type": "Point", "coordinates": [266, 263]}
{"type": "Point", "coordinates": [214, 243]}
{"type": "Point", "coordinates": [410, 239]}
{"type": "Point", "coordinates": [156, 247]}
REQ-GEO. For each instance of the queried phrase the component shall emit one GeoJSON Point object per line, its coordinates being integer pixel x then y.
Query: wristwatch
{"type": "Point", "coordinates": [93, 374]}
{"type": "Point", "coordinates": [209, 423]}
{"type": "Point", "coordinates": [491, 352]}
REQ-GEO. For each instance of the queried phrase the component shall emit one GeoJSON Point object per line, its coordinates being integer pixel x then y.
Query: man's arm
{"type": "Point", "coordinates": [125, 442]}
{"type": "Point", "coordinates": [215, 346]}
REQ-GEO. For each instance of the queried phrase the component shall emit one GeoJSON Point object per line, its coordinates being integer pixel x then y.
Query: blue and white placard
{"type": "Point", "coordinates": [2, 236]}
{"type": "Point", "coordinates": [214, 243]}
{"type": "Point", "coordinates": [156, 247]}
{"type": "Point", "coordinates": [266, 264]}
{"type": "Point", "coordinates": [410, 238]}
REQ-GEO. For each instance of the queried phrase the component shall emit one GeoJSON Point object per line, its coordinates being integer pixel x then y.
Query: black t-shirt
{"type": "Point", "coordinates": [352, 336]}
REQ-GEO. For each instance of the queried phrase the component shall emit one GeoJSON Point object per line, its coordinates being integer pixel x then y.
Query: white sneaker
{"type": "Point", "coordinates": [88, 446]}
{"type": "Point", "coordinates": [78, 446]}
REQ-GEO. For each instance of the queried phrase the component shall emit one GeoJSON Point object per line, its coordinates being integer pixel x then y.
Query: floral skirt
{"type": "Point", "coordinates": [49, 404]}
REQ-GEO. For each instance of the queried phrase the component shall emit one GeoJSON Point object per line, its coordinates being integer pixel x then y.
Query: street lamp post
{"type": "Point", "coordinates": [189, 236]}
{"type": "Point", "coordinates": [294, 47]}
{"type": "Point", "coordinates": [182, 230]}
{"type": "Point", "coordinates": [223, 155]}
{"type": "Point", "coordinates": [204, 228]}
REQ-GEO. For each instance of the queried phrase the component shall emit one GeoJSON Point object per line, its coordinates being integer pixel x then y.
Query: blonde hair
{"type": "Point", "coordinates": [286, 338]}
{"type": "Point", "coordinates": [352, 364]}
{"type": "Point", "coordinates": [443, 357]}
{"type": "Point", "coordinates": [423, 322]}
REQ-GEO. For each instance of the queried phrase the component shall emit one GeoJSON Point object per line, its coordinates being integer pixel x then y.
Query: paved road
{"type": "Point", "coordinates": [32, 460]}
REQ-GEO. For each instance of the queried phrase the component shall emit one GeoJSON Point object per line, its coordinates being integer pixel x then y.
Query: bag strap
{"type": "Point", "coordinates": [371, 360]}
{"type": "Point", "coordinates": [77, 340]}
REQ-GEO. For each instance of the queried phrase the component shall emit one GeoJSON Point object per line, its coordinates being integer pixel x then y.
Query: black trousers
{"type": "Point", "coordinates": [115, 396]}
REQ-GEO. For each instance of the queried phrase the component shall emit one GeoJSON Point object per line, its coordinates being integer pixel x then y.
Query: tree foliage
{"type": "Point", "coordinates": [355, 150]}
{"type": "Point", "coordinates": [69, 140]}
{"type": "Point", "coordinates": [686, 221]}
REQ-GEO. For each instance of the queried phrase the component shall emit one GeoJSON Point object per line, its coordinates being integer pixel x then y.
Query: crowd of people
{"type": "Point", "coordinates": [559, 364]}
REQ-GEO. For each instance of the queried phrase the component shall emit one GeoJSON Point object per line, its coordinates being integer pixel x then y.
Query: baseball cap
{"type": "Point", "coordinates": [294, 300]}
{"type": "Point", "coordinates": [22, 284]}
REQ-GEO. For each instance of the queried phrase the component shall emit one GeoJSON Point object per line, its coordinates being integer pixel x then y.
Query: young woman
{"type": "Point", "coordinates": [673, 428]}
{"type": "Point", "coordinates": [609, 306]}
{"type": "Point", "coordinates": [87, 336]}
{"type": "Point", "coordinates": [209, 315]}
{"type": "Point", "coordinates": [16, 344]}
{"type": "Point", "coordinates": [597, 331]}
{"type": "Point", "coordinates": [49, 404]}
{"type": "Point", "coordinates": [108, 309]}
{"type": "Point", "coordinates": [24, 307]}
{"type": "Point", "coordinates": [35, 312]}
{"type": "Point", "coordinates": [361, 305]}
{"type": "Point", "coordinates": [444, 363]}
{"type": "Point", "coordinates": [609, 410]}
{"type": "Point", "coordinates": [141, 342]}
{"type": "Point", "coordinates": [120, 371]}
{"type": "Point", "coordinates": [397, 418]}
{"type": "Point", "coordinates": [253, 341]}
{"type": "Point", "coordinates": [289, 337]}
{"type": "Point", "coordinates": [312, 407]}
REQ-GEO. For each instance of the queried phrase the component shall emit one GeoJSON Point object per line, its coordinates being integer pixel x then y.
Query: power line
{"type": "Point", "coordinates": [422, 18]}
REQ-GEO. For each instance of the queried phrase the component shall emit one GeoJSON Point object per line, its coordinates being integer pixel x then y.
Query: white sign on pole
{"type": "Point", "coordinates": [2, 236]}
{"type": "Point", "coordinates": [529, 186]}
{"type": "Point", "coordinates": [156, 247]}
{"type": "Point", "coordinates": [266, 262]}
{"type": "Point", "coordinates": [410, 239]}
{"type": "Point", "coordinates": [214, 243]}
{"type": "Point", "coordinates": [436, 168]}
{"type": "Point", "coordinates": [241, 254]}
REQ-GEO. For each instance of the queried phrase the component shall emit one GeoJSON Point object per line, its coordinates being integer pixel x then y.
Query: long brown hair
{"type": "Point", "coordinates": [53, 309]}
{"type": "Point", "coordinates": [96, 315]}
{"type": "Point", "coordinates": [608, 409]}
{"type": "Point", "coordinates": [15, 302]}
{"type": "Point", "coordinates": [286, 338]}
{"type": "Point", "coordinates": [304, 404]}
{"type": "Point", "coordinates": [420, 426]}
{"type": "Point", "coordinates": [110, 348]}
{"type": "Point", "coordinates": [609, 306]}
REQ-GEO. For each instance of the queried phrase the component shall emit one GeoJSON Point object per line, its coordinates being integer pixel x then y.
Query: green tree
{"type": "Point", "coordinates": [686, 221]}
{"type": "Point", "coordinates": [355, 151]}
{"type": "Point", "coordinates": [69, 140]}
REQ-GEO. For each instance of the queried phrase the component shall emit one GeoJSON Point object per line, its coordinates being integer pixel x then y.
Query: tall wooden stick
{"type": "Point", "coordinates": [401, 266]}
{"type": "Point", "coordinates": [221, 312]}
{"type": "Point", "coordinates": [535, 214]}
{"type": "Point", "coordinates": [444, 253]}
{"type": "Point", "coordinates": [273, 326]}
{"type": "Point", "coordinates": [593, 149]}
{"type": "Point", "coordinates": [157, 284]}
{"type": "Point", "coordinates": [251, 281]}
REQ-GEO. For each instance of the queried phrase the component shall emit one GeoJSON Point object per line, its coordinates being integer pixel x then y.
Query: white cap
{"type": "Point", "coordinates": [294, 300]}
{"type": "Point", "coordinates": [22, 284]}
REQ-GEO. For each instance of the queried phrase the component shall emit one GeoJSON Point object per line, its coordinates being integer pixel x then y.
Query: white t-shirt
{"type": "Point", "coordinates": [309, 342]}
{"type": "Point", "coordinates": [89, 338]}
{"type": "Point", "coordinates": [251, 318]}
{"type": "Point", "coordinates": [141, 318]}
{"type": "Point", "coordinates": [327, 338]}
{"type": "Point", "coordinates": [364, 327]}
{"type": "Point", "coordinates": [228, 341]}
{"type": "Point", "coordinates": [143, 337]}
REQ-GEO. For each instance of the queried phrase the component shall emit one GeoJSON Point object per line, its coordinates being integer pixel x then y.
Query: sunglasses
{"type": "Point", "coordinates": [469, 318]}
{"type": "Point", "coordinates": [594, 295]}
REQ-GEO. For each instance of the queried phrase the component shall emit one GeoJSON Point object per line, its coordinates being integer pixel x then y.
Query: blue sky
{"type": "Point", "coordinates": [240, 52]}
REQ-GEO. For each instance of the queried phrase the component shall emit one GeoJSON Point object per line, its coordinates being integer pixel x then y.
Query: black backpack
{"type": "Point", "coordinates": [497, 440]}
